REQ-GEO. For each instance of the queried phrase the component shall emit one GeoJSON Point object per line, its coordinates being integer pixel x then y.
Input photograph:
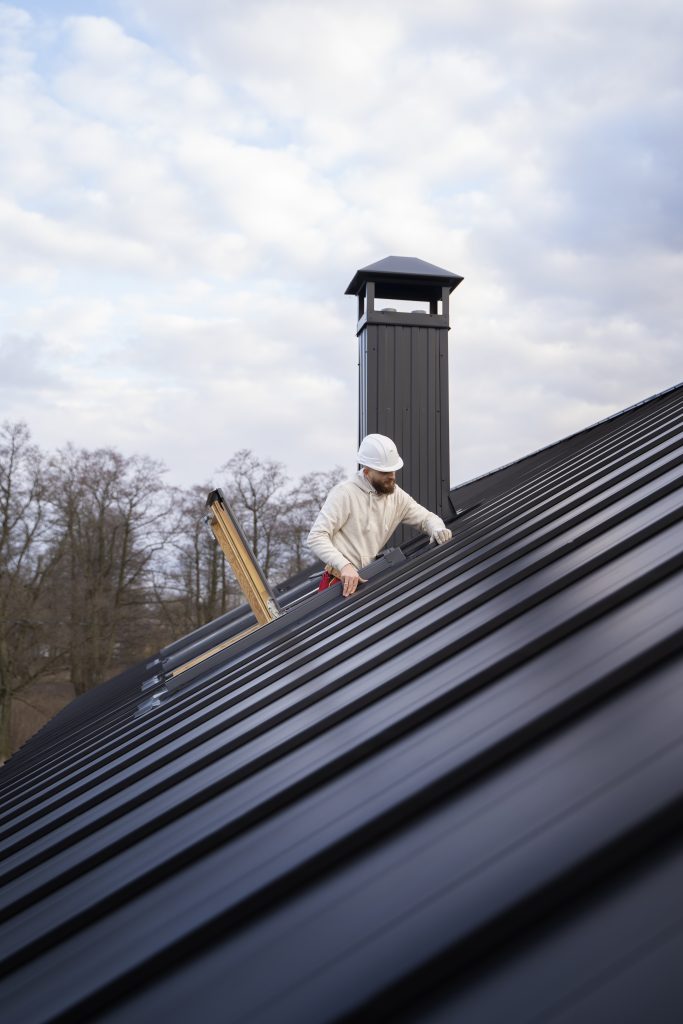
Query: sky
{"type": "Point", "coordinates": [188, 186]}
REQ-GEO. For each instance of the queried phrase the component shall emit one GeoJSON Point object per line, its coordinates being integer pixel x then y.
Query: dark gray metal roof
{"type": "Point", "coordinates": [456, 796]}
{"type": "Point", "coordinates": [397, 267]}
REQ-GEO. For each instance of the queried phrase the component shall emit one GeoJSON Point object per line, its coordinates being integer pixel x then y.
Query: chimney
{"type": "Point", "coordinates": [403, 370]}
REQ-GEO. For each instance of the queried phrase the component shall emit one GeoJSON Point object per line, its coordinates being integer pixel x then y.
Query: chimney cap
{"type": "Point", "coordinates": [399, 273]}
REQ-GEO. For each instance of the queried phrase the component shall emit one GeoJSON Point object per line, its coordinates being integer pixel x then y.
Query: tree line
{"type": "Point", "coordinates": [102, 563]}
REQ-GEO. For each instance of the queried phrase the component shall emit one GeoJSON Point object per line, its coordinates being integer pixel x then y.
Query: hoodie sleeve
{"type": "Point", "coordinates": [420, 517]}
{"type": "Point", "coordinates": [331, 518]}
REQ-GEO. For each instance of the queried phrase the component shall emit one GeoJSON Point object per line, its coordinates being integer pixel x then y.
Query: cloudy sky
{"type": "Point", "coordinates": [188, 186]}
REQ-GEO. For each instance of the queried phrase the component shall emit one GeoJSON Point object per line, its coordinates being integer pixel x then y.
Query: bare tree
{"type": "Point", "coordinates": [255, 489]}
{"type": "Point", "coordinates": [275, 518]}
{"type": "Point", "coordinates": [27, 648]}
{"type": "Point", "coordinates": [101, 563]}
{"type": "Point", "coordinates": [112, 517]}
{"type": "Point", "coordinates": [194, 583]}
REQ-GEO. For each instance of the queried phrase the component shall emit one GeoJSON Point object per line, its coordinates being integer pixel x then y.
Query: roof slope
{"type": "Point", "coordinates": [455, 796]}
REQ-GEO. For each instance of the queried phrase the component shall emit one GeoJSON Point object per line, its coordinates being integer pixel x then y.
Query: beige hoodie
{"type": "Point", "coordinates": [356, 521]}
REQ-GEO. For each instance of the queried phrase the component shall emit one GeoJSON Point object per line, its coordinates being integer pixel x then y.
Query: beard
{"type": "Point", "coordinates": [382, 484]}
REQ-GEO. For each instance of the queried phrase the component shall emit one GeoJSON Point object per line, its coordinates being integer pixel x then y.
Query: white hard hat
{"type": "Point", "coordinates": [379, 452]}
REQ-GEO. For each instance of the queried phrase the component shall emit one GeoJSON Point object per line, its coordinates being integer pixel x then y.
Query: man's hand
{"type": "Point", "coordinates": [350, 578]}
{"type": "Point", "coordinates": [440, 536]}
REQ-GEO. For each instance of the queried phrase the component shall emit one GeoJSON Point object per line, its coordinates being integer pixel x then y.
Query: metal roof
{"type": "Point", "coordinates": [457, 795]}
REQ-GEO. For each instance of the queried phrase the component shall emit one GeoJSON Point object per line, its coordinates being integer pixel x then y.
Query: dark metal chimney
{"type": "Point", "coordinates": [403, 370]}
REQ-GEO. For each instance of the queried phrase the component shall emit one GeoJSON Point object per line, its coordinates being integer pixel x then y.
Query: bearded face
{"type": "Point", "coordinates": [384, 483]}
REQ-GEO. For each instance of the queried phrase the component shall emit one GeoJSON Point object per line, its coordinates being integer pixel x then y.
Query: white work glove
{"type": "Point", "coordinates": [440, 536]}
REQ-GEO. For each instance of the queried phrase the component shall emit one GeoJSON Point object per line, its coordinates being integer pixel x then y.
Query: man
{"type": "Point", "coordinates": [361, 514]}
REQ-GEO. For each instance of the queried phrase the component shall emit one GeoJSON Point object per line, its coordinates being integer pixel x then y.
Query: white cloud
{"type": "Point", "coordinates": [23, 366]}
{"type": "Point", "coordinates": [187, 189]}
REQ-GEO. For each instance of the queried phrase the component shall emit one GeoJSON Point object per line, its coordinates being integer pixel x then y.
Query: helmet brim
{"type": "Point", "coordinates": [384, 469]}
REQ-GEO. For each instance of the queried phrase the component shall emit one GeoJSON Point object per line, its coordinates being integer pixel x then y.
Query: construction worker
{"type": "Point", "coordinates": [360, 514]}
